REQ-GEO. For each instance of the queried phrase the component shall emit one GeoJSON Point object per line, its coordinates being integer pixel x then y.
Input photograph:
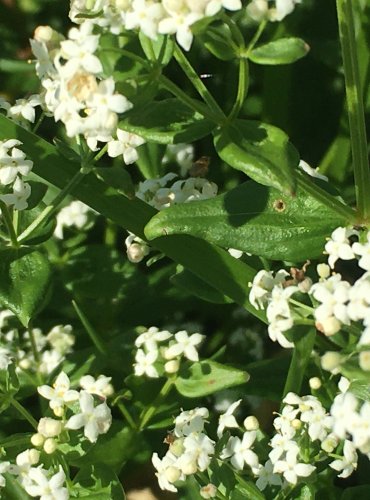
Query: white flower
{"type": "Point", "coordinates": [100, 386]}
{"type": "Point", "coordinates": [95, 420]}
{"type": "Point", "coordinates": [151, 337]}
{"type": "Point", "coordinates": [47, 488]}
{"type": "Point", "coordinates": [60, 338]}
{"type": "Point", "coordinates": [343, 411]}
{"type": "Point", "coordinates": [20, 195]}
{"type": "Point", "coordinates": [145, 15]}
{"type": "Point", "coordinates": [167, 472]}
{"type": "Point", "coordinates": [282, 9]}
{"type": "Point", "coordinates": [349, 461]}
{"type": "Point", "coordinates": [24, 461]}
{"type": "Point", "coordinates": [5, 358]}
{"type": "Point", "coordinates": [60, 394]}
{"type": "Point", "coordinates": [208, 491]}
{"type": "Point", "coordinates": [24, 109]}
{"type": "Point", "coordinates": [240, 452]}
{"type": "Point", "coordinates": [338, 246]}
{"type": "Point", "coordinates": [266, 476]}
{"type": "Point", "coordinates": [262, 286]}
{"type": "Point", "coordinates": [311, 171]}
{"type": "Point", "coordinates": [12, 161]}
{"type": "Point", "coordinates": [185, 345]}
{"type": "Point", "coordinates": [49, 427]}
{"type": "Point", "coordinates": [126, 146]}
{"type": "Point", "coordinates": [227, 420]}
{"type": "Point", "coordinates": [190, 421]}
{"type": "Point", "coordinates": [75, 214]}
{"type": "Point", "coordinates": [50, 359]}
{"type": "Point", "coordinates": [144, 363]}
{"type": "Point", "coordinates": [291, 469]}
{"type": "Point", "coordinates": [363, 249]}
{"type": "Point", "coordinates": [4, 467]}
{"type": "Point", "coordinates": [198, 451]}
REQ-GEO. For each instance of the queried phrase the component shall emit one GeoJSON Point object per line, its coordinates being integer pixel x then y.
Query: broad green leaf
{"type": "Point", "coordinates": [38, 191]}
{"type": "Point", "coordinates": [246, 490]}
{"type": "Point", "coordinates": [98, 482]}
{"type": "Point", "coordinates": [24, 281]}
{"type": "Point", "coordinates": [303, 492]}
{"type": "Point", "coordinates": [191, 283]}
{"type": "Point", "coordinates": [43, 232]}
{"type": "Point", "coordinates": [150, 160]}
{"type": "Point", "coordinates": [254, 219]}
{"type": "Point", "coordinates": [261, 151]}
{"type": "Point", "coordinates": [167, 122]}
{"type": "Point", "coordinates": [208, 377]}
{"type": "Point", "coordinates": [283, 51]}
{"type": "Point", "coordinates": [361, 389]}
{"type": "Point", "coordinates": [117, 177]}
{"type": "Point", "coordinates": [213, 265]}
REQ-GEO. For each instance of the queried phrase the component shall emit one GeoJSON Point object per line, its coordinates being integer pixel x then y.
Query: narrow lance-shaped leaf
{"type": "Point", "coordinates": [261, 151]}
{"type": "Point", "coordinates": [254, 219]}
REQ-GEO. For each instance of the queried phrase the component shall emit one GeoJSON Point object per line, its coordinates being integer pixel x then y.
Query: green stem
{"type": "Point", "coordinates": [192, 103]}
{"type": "Point", "coordinates": [53, 207]}
{"type": "Point", "coordinates": [242, 89]}
{"type": "Point", "coordinates": [38, 123]}
{"type": "Point", "coordinates": [356, 115]}
{"type": "Point", "coordinates": [256, 37]}
{"type": "Point", "coordinates": [93, 334]}
{"type": "Point", "coordinates": [197, 83]}
{"type": "Point", "coordinates": [323, 197]}
{"type": "Point", "coordinates": [35, 351]}
{"type": "Point", "coordinates": [122, 408]}
{"type": "Point", "coordinates": [128, 54]}
{"type": "Point", "coordinates": [20, 409]}
{"type": "Point", "coordinates": [100, 153]}
{"type": "Point", "coordinates": [158, 400]}
{"type": "Point", "coordinates": [9, 224]}
{"type": "Point", "coordinates": [235, 31]}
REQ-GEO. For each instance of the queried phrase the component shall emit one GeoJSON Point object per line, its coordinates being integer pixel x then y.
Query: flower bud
{"type": "Point", "coordinates": [296, 424]}
{"type": "Point", "coordinates": [172, 366]}
{"type": "Point", "coordinates": [136, 252]}
{"type": "Point", "coordinates": [177, 447]}
{"type": "Point", "coordinates": [50, 446]}
{"type": "Point", "coordinates": [37, 440]}
{"type": "Point", "coordinates": [209, 491]}
{"type": "Point", "coordinates": [331, 361]}
{"type": "Point", "coordinates": [189, 468]}
{"type": "Point", "coordinates": [305, 285]}
{"type": "Point", "coordinates": [251, 423]}
{"type": "Point", "coordinates": [49, 427]}
{"type": "Point", "coordinates": [58, 411]}
{"type": "Point", "coordinates": [364, 360]}
{"type": "Point", "coordinates": [323, 270]}
{"type": "Point", "coordinates": [315, 383]}
{"type": "Point", "coordinates": [172, 474]}
{"type": "Point", "coordinates": [329, 326]}
{"type": "Point", "coordinates": [330, 443]}
{"type": "Point", "coordinates": [25, 364]}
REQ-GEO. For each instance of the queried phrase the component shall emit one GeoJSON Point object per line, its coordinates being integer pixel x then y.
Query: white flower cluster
{"type": "Point", "coordinates": [13, 166]}
{"type": "Point", "coordinates": [151, 17]}
{"type": "Point", "coordinates": [190, 450]}
{"type": "Point", "coordinates": [160, 194]}
{"type": "Point", "coordinates": [75, 91]}
{"type": "Point", "coordinates": [76, 214]}
{"type": "Point", "coordinates": [336, 302]}
{"type": "Point", "coordinates": [154, 360]}
{"type": "Point", "coordinates": [52, 433]}
{"type": "Point", "coordinates": [17, 347]}
{"type": "Point", "coordinates": [262, 9]}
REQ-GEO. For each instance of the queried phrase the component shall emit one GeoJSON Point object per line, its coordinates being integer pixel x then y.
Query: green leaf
{"type": "Point", "coordinates": [216, 41]}
{"type": "Point", "coordinates": [208, 377]}
{"type": "Point", "coordinates": [98, 482]}
{"type": "Point", "coordinates": [267, 377]}
{"type": "Point", "coordinates": [150, 160]}
{"type": "Point", "coordinates": [167, 122]}
{"type": "Point", "coordinates": [159, 49]}
{"type": "Point", "coordinates": [254, 219]}
{"type": "Point", "coordinates": [38, 191]}
{"type": "Point", "coordinates": [261, 151]}
{"type": "Point", "coordinates": [283, 51]}
{"type": "Point", "coordinates": [361, 389]}
{"type": "Point", "coordinates": [213, 265]}
{"type": "Point", "coordinates": [117, 177]}
{"type": "Point", "coordinates": [192, 284]}
{"type": "Point", "coordinates": [13, 490]}
{"type": "Point", "coordinates": [24, 282]}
